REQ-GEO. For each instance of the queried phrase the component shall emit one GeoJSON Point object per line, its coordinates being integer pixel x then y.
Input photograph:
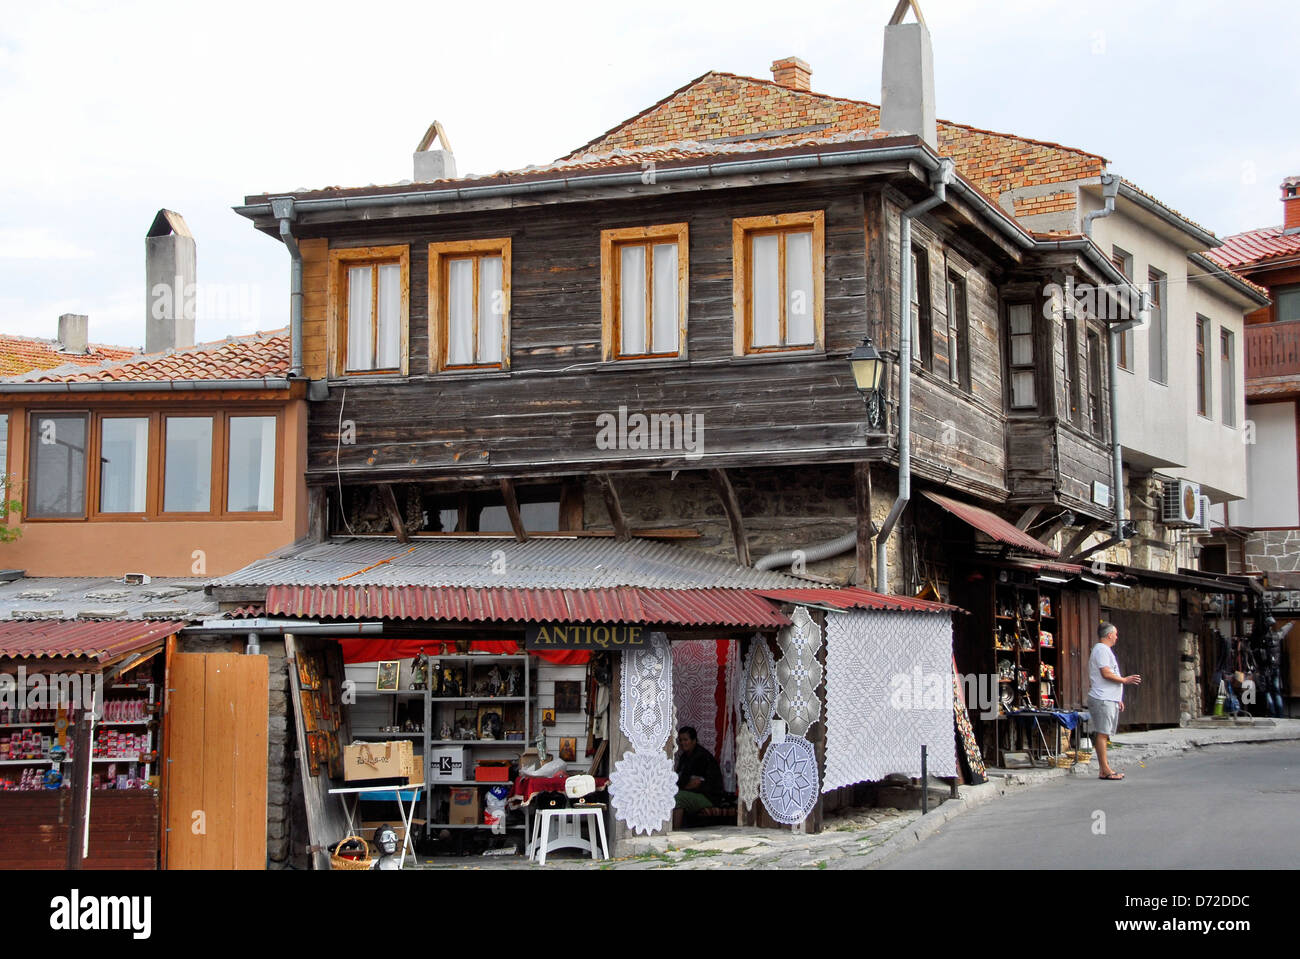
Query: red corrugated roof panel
{"type": "Point", "coordinates": [679, 607]}
{"type": "Point", "coordinates": [852, 597]}
{"type": "Point", "coordinates": [992, 525]}
{"type": "Point", "coordinates": [100, 640]}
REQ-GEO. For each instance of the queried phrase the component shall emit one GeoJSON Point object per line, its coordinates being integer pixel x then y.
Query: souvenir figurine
{"type": "Point", "coordinates": [494, 682]}
{"type": "Point", "coordinates": [445, 731]}
{"type": "Point", "coordinates": [513, 681]}
{"type": "Point", "coordinates": [419, 671]}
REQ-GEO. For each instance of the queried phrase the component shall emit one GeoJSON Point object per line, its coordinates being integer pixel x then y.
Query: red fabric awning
{"type": "Point", "coordinates": [624, 604]}
{"type": "Point", "coordinates": [378, 650]}
{"type": "Point", "coordinates": [102, 640]}
{"type": "Point", "coordinates": [992, 525]}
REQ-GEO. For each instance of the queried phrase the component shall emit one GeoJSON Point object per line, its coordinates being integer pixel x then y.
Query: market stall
{"type": "Point", "coordinates": [81, 704]}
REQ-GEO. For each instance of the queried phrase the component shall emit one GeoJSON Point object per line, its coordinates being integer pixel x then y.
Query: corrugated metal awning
{"type": "Point", "coordinates": [100, 640]}
{"type": "Point", "coordinates": [991, 525]}
{"type": "Point", "coordinates": [852, 597]}
{"type": "Point", "coordinates": [677, 607]}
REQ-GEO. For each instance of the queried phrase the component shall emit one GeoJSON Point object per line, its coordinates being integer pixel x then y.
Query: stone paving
{"type": "Point", "coordinates": [860, 838]}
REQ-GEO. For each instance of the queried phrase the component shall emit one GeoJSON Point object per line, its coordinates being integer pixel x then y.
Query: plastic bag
{"type": "Point", "coordinates": [494, 809]}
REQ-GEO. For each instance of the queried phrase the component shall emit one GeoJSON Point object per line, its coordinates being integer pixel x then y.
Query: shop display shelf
{"type": "Point", "coordinates": [518, 743]}
{"type": "Point", "coordinates": [478, 699]}
{"type": "Point", "coordinates": [366, 733]}
{"type": "Point", "coordinates": [445, 825]}
{"type": "Point", "coordinates": [470, 782]}
{"type": "Point", "coordinates": [27, 725]}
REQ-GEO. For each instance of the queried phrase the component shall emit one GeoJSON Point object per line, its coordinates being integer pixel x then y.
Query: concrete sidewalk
{"type": "Point", "coordinates": [862, 838]}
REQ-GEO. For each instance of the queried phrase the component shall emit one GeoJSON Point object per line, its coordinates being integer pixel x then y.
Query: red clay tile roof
{"type": "Point", "coordinates": [1256, 246]}
{"type": "Point", "coordinates": [257, 356]}
{"type": "Point", "coordinates": [22, 354]}
{"type": "Point", "coordinates": [719, 105]}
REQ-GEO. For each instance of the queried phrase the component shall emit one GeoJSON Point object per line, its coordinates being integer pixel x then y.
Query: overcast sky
{"type": "Point", "coordinates": [110, 111]}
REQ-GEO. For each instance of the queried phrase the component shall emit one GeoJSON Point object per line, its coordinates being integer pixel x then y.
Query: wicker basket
{"type": "Point", "coordinates": [343, 862]}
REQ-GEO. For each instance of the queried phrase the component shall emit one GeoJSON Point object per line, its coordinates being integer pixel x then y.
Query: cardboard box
{"type": "Point", "coordinates": [392, 760]}
{"type": "Point", "coordinates": [492, 771]}
{"type": "Point", "coordinates": [447, 763]}
{"type": "Point", "coordinates": [464, 806]}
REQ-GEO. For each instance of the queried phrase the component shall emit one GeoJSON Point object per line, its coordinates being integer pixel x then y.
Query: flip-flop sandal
{"type": "Point", "coordinates": [1112, 776]}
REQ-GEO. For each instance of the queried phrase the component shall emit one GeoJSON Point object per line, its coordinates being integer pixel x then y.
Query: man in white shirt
{"type": "Point", "coordinates": [1106, 694]}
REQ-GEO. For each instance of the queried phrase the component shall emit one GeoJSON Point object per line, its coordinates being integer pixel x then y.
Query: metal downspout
{"type": "Point", "coordinates": [939, 184]}
{"type": "Point", "coordinates": [1110, 187]}
{"type": "Point", "coordinates": [282, 209]}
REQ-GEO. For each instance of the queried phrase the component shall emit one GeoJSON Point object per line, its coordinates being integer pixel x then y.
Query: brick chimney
{"type": "Point", "coordinates": [1291, 205]}
{"type": "Point", "coordinates": [793, 73]}
{"type": "Point", "coordinates": [73, 333]}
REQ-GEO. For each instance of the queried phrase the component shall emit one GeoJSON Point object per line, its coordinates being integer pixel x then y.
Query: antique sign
{"type": "Point", "coordinates": [584, 636]}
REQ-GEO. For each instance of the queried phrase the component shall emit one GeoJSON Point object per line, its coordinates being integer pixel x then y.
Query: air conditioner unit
{"type": "Point", "coordinates": [1182, 504]}
{"type": "Point", "coordinates": [1203, 518]}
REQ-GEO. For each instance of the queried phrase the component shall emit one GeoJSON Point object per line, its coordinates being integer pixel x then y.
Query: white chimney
{"type": "Point", "coordinates": [169, 273]}
{"type": "Point", "coordinates": [434, 164]}
{"type": "Point", "coordinates": [74, 330]}
{"type": "Point", "coordinates": [907, 77]}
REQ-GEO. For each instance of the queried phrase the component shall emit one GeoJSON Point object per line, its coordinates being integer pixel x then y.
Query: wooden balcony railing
{"type": "Point", "coordinates": [1273, 349]}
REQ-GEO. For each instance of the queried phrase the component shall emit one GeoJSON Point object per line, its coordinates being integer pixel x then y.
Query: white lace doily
{"type": "Point", "coordinates": [643, 791]}
{"type": "Point", "coordinates": [727, 752]}
{"type": "Point", "coordinates": [747, 769]}
{"type": "Point", "coordinates": [695, 690]}
{"type": "Point", "coordinates": [645, 715]}
{"type": "Point", "coordinates": [800, 673]}
{"type": "Point", "coordinates": [788, 783]}
{"type": "Point", "coordinates": [760, 689]}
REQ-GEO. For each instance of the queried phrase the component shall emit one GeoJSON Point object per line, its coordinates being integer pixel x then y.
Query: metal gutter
{"type": "Point", "coordinates": [146, 386]}
{"type": "Point", "coordinates": [1224, 274]}
{"type": "Point", "coordinates": [1162, 212]}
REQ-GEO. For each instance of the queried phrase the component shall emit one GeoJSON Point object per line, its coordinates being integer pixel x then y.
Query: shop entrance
{"type": "Point", "coordinates": [704, 700]}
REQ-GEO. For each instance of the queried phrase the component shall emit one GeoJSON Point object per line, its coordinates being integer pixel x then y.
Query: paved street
{"type": "Point", "coordinates": [1222, 807]}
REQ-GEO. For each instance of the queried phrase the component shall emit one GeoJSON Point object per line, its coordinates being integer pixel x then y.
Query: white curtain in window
{"type": "Point", "coordinates": [916, 310]}
{"type": "Point", "coordinates": [798, 289]}
{"type": "Point", "coordinates": [491, 307]}
{"type": "Point", "coordinates": [124, 465]}
{"type": "Point", "coordinates": [360, 342]}
{"type": "Point", "coordinates": [765, 291]}
{"type": "Point", "coordinates": [664, 299]}
{"type": "Point", "coordinates": [250, 482]}
{"type": "Point", "coordinates": [460, 312]}
{"type": "Point", "coordinates": [631, 306]}
{"type": "Point", "coordinates": [388, 349]}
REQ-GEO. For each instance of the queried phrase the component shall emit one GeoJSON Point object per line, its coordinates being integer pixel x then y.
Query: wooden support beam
{"type": "Point", "coordinates": [722, 484]}
{"type": "Point", "coordinates": [1104, 544]}
{"type": "Point", "coordinates": [512, 510]}
{"type": "Point", "coordinates": [866, 528]}
{"type": "Point", "coordinates": [1089, 528]}
{"type": "Point", "coordinates": [1028, 517]}
{"type": "Point", "coordinates": [394, 514]}
{"type": "Point", "coordinates": [1053, 528]}
{"type": "Point", "coordinates": [571, 515]}
{"type": "Point", "coordinates": [317, 514]}
{"type": "Point", "coordinates": [614, 506]}
{"type": "Point", "coordinates": [80, 774]}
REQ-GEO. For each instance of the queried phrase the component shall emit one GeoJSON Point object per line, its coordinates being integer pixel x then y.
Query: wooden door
{"type": "Point", "coordinates": [216, 763]}
{"type": "Point", "coordinates": [1080, 614]}
{"type": "Point", "coordinates": [1148, 645]}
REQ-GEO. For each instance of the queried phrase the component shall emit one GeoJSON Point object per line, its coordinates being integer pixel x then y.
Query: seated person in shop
{"type": "Point", "coordinates": [699, 778]}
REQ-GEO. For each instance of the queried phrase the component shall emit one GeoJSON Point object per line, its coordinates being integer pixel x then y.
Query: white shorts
{"type": "Point", "coordinates": [1105, 715]}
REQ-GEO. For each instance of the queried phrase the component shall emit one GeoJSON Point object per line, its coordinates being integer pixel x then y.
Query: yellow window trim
{"type": "Point", "coordinates": [336, 337]}
{"type": "Point", "coordinates": [439, 253]}
{"type": "Point", "coordinates": [741, 229]}
{"type": "Point", "coordinates": [610, 319]}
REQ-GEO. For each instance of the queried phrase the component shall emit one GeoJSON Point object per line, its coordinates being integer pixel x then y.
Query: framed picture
{"type": "Point", "coordinates": [568, 749]}
{"type": "Point", "coordinates": [466, 724]}
{"type": "Point", "coordinates": [310, 721]}
{"type": "Point", "coordinates": [451, 682]}
{"type": "Point", "coordinates": [568, 696]}
{"type": "Point", "coordinates": [317, 751]}
{"type": "Point", "coordinates": [387, 676]}
{"type": "Point", "coordinates": [548, 717]}
{"type": "Point", "coordinates": [308, 671]}
{"type": "Point", "coordinates": [490, 723]}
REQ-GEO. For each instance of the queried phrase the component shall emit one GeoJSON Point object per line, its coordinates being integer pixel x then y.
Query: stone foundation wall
{"type": "Point", "coordinates": [1273, 551]}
